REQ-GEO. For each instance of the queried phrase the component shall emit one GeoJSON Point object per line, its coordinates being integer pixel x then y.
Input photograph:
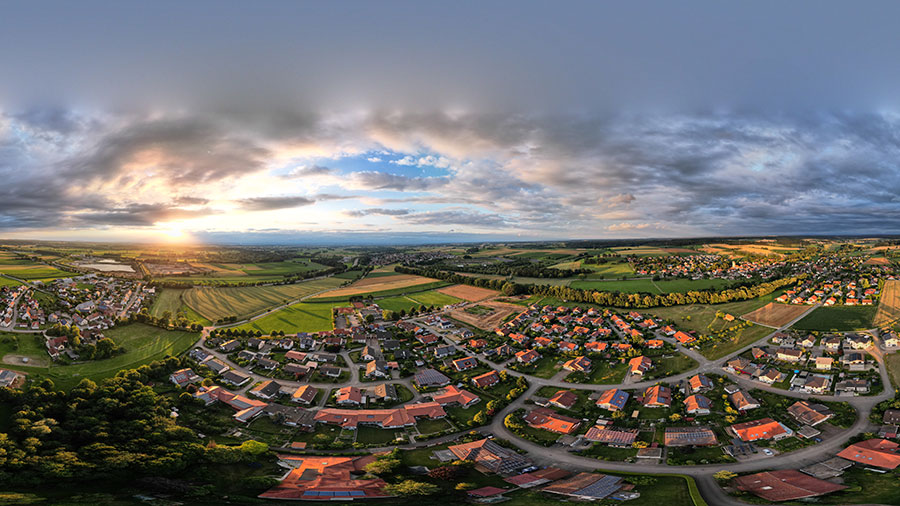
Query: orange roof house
{"type": "Point", "coordinates": [326, 478]}
{"type": "Point", "coordinates": [527, 356]}
{"type": "Point", "coordinates": [873, 452]}
{"type": "Point", "coordinates": [764, 428]}
{"type": "Point", "coordinates": [490, 456]}
{"type": "Point", "coordinates": [453, 395]}
{"type": "Point", "coordinates": [564, 399]}
{"type": "Point", "coordinates": [349, 395]}
{"type": "Point", "coordinates": [684, 338]}
{"type": "Point", "coordinates": [655, 344]}
{"type": "Point", "coordinates": [613, 399]}
{"type": "Point", "coordinates": [547, 419]}
{"type": "Point", "coordinates": [487, 379]}
{"type": "Point", "coordinates": [639, 365]}
{"type": "Point", "coordinates": [578, 364]}
{"type": "Point", "coordinates": [597, 346]}
{"type": "Point", "coordinates": [403, 416]}
{"type": "Point", "coordinates": [658, 397]}
{"type": "Point", "coordinates": [697, 405]}
{"type": "Point", "coordinates": [784, 485]}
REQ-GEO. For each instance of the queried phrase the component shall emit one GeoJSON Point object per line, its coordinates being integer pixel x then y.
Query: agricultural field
{"type": "Point", "coordinates": [647, 285]}
{"type": "Point", "coordinates": [29, 270]}
{"type": "Point", "coordinates": [889, 307]}
{"type": "Point", "coordinates": [406, 302]}
{"type": "Point", "coordinates": [142, 344]}
{"type": "Point", "coordinates": [641, 251]}
{"type": "Point", "coordinates": [224, 273]}
{"type": "Point", "coordinates": [775, 315]}
{"type": "Point", "coordinates": [486, 321]}
{"type": "Point", "coordinates": [379, 284]}
{"type": "Point", "coordinates": [171, 299]}
{"type": "Point", "coordinates": [469, 293]}
{"type": "Point", "coordinates": [215, 303]}
{"type": "Point", "coordinates": [892, 363]}
{"type": "Point", "coordinates": [838, 319]}
{"type": "Point", "coordinates": [608, 270]}
{"type": "Point", "coordinates": [4, 281]}
{"type": "Point", "coordinates": [300, 317]}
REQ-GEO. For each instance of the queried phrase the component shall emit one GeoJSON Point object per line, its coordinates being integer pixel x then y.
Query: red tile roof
{"type": "Point", "coordinates": [874, 452]}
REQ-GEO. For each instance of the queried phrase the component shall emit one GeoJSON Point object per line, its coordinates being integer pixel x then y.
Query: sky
{"type": "Point", "coordinates": [380, 122]}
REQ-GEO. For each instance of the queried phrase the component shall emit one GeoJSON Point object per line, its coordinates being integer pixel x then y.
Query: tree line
{"type": "Point", "coordinates": [613, 298]}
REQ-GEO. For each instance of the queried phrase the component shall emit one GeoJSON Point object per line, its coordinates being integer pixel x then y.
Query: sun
{"type": "Point", "coordinates": [173, 232]}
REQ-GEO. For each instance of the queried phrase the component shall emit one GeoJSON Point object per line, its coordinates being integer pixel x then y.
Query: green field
{"type": "Point", "coordinates": [699, 316]}
{"type": "Point", "coordinates": [838, 318]}
{"type": "Point", "coordinates": [142, 344]}
{"type": "Point", "coordinates": [169, 299]}
{"type": "Point", "coordinates": [434, 298]}
{"type": "Point", "coordinates": [300, 317]}
{"type": "Point", "coordinates": [222, 273]}
{"type": "Point", "coordinates": [406, 290]}
{"type": "Point", "coordinates": [397, 304]}
{"type": "Point", "coordinates": [214, 303]}
{"type": "Point", "coordinates": [4, 281]}
{"type": "Point", "coordinates": [650, 286]}
{"type": "Point", "coordinates": [609, 270]}
{"type": "Point", "coordinates": [892, 362]}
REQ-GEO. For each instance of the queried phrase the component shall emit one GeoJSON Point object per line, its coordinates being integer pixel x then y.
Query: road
{"type": "Point", "coordinates": [557, 456]}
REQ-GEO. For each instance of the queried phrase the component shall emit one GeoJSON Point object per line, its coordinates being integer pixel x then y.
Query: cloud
{"type": "Point", "coordinates": [456, 218]}
{"type": "Point", "coordinates": [309, 170]}
{"type": "Point", "coordinates": [374, 180]}
{"type": "Point", "coordinates": [619, 227]}
{"type": "Point", "coordinates": [376, 211]}
{"type": "Point", "coordinates": [273, 203]}
{"type": "Point", "coordinates": [430, 160]}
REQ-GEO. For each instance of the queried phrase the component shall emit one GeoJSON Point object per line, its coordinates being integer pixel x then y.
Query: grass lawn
{"type": "Point", "coordinates": [427, 426]}
{"type": "Point", "coordinates": [602, 373]}
{"type": "Point", "coordinates": [545, 367]}
{"type": "Point", "coordinates": [699, 317]}
{"type": "Point", "coordinates": [743, 338]}
{"type": "Point", "coordinates": [373, 435]}
{"type": "Point", "coordinates": [838, 318]}
{"type": "Point", "coordinates": [670, 366]}
{"type": "Point", "coordinates": [397, 304]}
{"type": "Point", "coordinates": [604, 452]}
{"type": "Point", "coordinates": [650, 286]}
{"type": "Point", "coordinates": [609, 270]}
{"type": "Point", "coordinates": [142, 343]}
{"type": "Point", "coordinates": [892, 362]}
{"type": "Point", "coordinates": [434, 298]}
{"type": "Point", "coordinates": [300, 317]}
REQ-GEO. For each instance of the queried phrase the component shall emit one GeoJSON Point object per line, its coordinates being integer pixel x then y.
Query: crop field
{"type": "Point", "coordinates": [169, 299]}
{"type": "Point", "coordinates": [407, 302]}
{"type": "Point", "coordinates": [300, 317]}
{"type": "Point", "coordinates": [214, 303]}
{"type": "Point", "coordinates": [28, 270]}
{"type": "Point", "coordinates": [4, 281]}
{"type": "Point", "coordinates": [397, 304]}
{"type": "Point", "coordinates": [379, 284]}
{"type": "Point", "coordinates": [609, 270]}
{"type": "Point", "coordinates": [775, 315]}
{"type": "Point", "coordinates": [889, 308]}
{"type": "Point", "coordinates": [838, 318]}
{"type": "Point", "coordinates": [649, 286]}
{"type": "Point", "coordinates": [701, 317]}
{"type": "Point", "coordinates": [142, 344]}
{"type": "Point", "coordinates": [641, 251]}
{"type": "Point", "coordinates": [469, 293]}
{"type": "Point", "coordinates": [486, 321]}
{"type": "Point", "coordinates": [224, 273]}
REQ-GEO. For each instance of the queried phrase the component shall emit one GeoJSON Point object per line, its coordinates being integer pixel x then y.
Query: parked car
{"type": "Point", "coordinates": [768, 452]}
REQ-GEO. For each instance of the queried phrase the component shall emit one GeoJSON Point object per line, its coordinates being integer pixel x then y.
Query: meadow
{"type": "Point", "coordinates": [214, 303]}
{"type": "Point", "coordinates": [889, 307]}
{"type": "Point", "coordinates": [23, 268]}
{"type": "Point", "coordinates": [838, 318]}
{"type": "Point", "coordinates": [407, 302]}
{"type": "Point", "coordinates": [142, 344]}
{"type": "Point", "coordinates": [300, 317]}
{"type": "Point", "coordinates": [225, 273]}
{"type": "Point", "coordinates": [379, 284]}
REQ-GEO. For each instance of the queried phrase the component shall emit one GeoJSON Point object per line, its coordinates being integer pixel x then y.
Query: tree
{"type": "Point", "coordinates": [410, 488]}
{"type": "Point", "coordinates": [675, 417]}
{"type": "Point", "coordinates": [724, 475]}
{"type": "Point", "coordinates": [446, 473]}
{"type": "Point", "coordinates": [382, 466]}
{"type": "Point", "coordinates": [479, 418]}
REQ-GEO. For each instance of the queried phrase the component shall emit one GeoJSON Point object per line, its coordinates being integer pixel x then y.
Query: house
{"type": "Point", "coordinates": [383, 392]}
{"type": "Point", "coordinates": [504, 350]}
{"type": "Point", "coordinates": [854, 360]}
{"type": "Point", "coordinates": [487, 379]}
{"type": "Point", "coordinates": [639, 365]}
{"type": "Point", "coordinates": [236, 378]}
{"type": "Point", "coordinates": [527, 356]}
{"type": "Point", "coordinates": [655, 344]}
{"type": "Point", "coordinates": [547, 419]}
{"type": "Point", "coordinates": [891, 416]}
{"type": "Point", "coordinates": [349, 395]}
{"type": "Point", "coordinates": [566, 346]}
{"type": "Point", "coordinates": [367, 354]}
{"type": "Point", "coordinates": [809, 413]}
{"type": "Point", "coordinates": [339, 477]}
{"type": "Point", "coordinates": [267, 364]}
{"type": "Point", "coordinates": [217, 366]}
{"type": "Point", "coordinates": [771, 376]}
{"type": "Point", "coordinates": [430, 378]}
{"type": "Point", "coordinates": [740, 365]}
{"type": "Point", "coordinates": [489, 456]}
{"type": "Point", "coordinates": [181, 377]}
{"type": "Point", "coordinates": [614, 437]}
{"type": "Point", "coordinates": [564, 399]}
{"type": "Point", "coordinates": [453, 395]}
{"type": "Point", "coordinates": [613, 399]}
{"type": "Point", "coordinates": [873, 452]}
{"type": "Point", "coordinates": [699, 383]}
{"type": "Point", "coordinates": [697, 405]}
{"type": "Point", "coordinates": [764, 428]}
{"type": "Point", "coordinates": [808, 341]}
{"type": "Point", "coordinates": [684, 338]}
{"type": "Point", "coordinates": [266, 390]}
{"type": "Point", "coordinates": [858, 342]}
{"type": "Point", "coordinates": [784, 485]}
{"type": "Point", "coordinates": [444, 351]}
{"type": "Point", "coordinates": [330, 371]}
{"type": "Point", "coordinates": [852, 386]}
{"type": "Point", "coordinates": [296, 369]}
{"type": "Point", "coordinates": [690, 436]}
{"type": "Point", "coordinates": [579, 364]}
{"type": "Point", "coordinates": [758, 353]}
{"type": "Point", "coordinates": [230, 346]}
{"type": "Point", "coordinates": [10, 378]}
{"type": "Point", "coordinates": [376, 369]}
{"type": "Point", "coordinates": [817, 384]}
{"type": "Point", "coordinates": [596, 346]}
{"type": "Point", "coordinates": [466, 363]}
{"type": "Point", "coordinates": [892, 341]}
{"type": "Point", "coordinates": [304, 394]}
{"type": "Point", "coordinates": [832, 343]}
{"type": "Point", "coordinates": [586, 486]}
{"type": "Point", "coordinates": [824, 363]}
{"type": "Point", "coordinates": [742, 401]}
{"type": "Point", "coordinates": [657, 397]}
{"type": "Point", "coordinates": [789, 354]}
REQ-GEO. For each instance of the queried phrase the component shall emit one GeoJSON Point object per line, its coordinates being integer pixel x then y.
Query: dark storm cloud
{"type": "Point", "coordinates": [135, 215]}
